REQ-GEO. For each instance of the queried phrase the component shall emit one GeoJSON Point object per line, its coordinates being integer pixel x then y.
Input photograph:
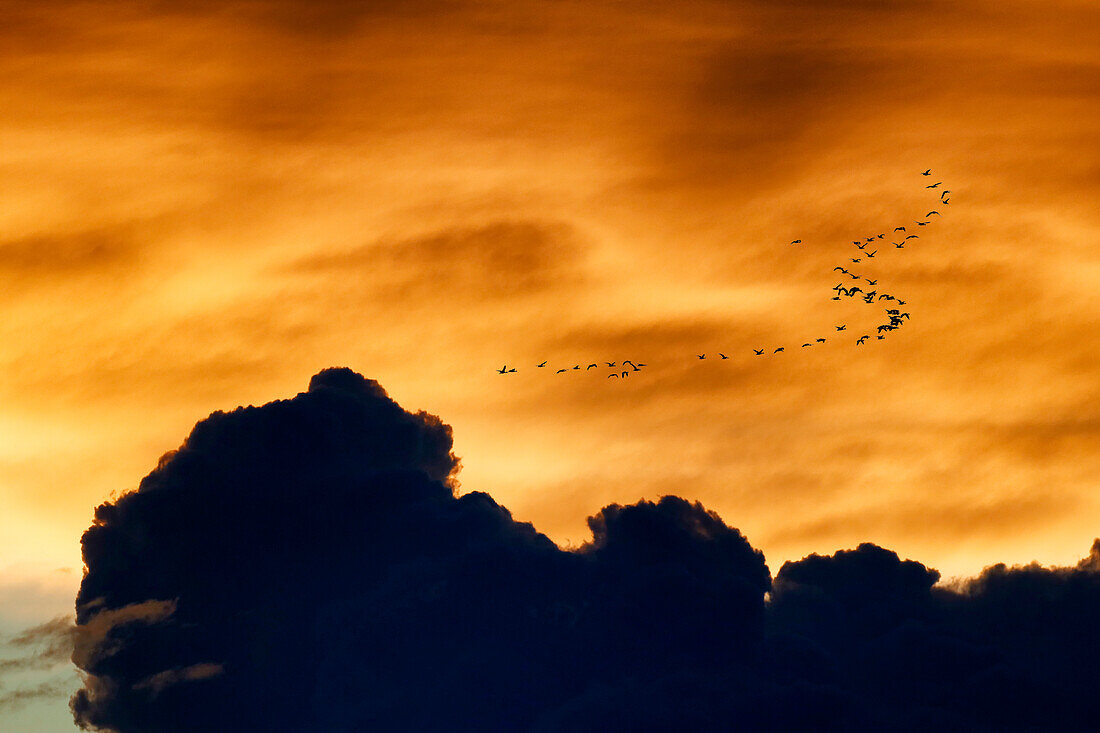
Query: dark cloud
{"type": "Point", "coordinates": [306, 565]}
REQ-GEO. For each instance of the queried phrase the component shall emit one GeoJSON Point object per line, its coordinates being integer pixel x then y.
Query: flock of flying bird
{"type": "Point", "coordinates": [895, 317]}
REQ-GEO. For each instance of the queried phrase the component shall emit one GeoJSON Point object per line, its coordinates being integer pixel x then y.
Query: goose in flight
{"type": "Point", "coordinates": [821, 341]}
{"type": "Point", "coordinates": [512, 370]}
{"type": "Point", "coordinates": [841, 327]}
{"type": "Point", "coordinates": [933, 211]}
{"type": "Point", "coordinates": [922, 223]}
{"type": "Point", "coordinates": [841, 269]}
{"type": "Point", "coordinates": [609, 376]}
{"type": "Point", "coordinates": [944, 192]}
{"type": "Point", "coordinates": [899, 229]}
{"type": "Point", "coordinates": [880, 236]}
{"type": "Point", "coordinates": [945, 202]}
{"type": "Point", "coordinates": [856, 260]}
{"type": "Point", "coordinates": [913, 236]}
{"type": "Point", "coordinates": [701, 356]}
{"type": "Point", "coordinates": [590, 366]}
{"type": "Point", "coordinates": [562, 370]}
{"type": "Point", "coordinates": [934, 185]}
{"type": "Point", "coordinates": [899, 245]}
{"type": "Point", "coordinates": [861, 339]}
{"type": "Point", "coordinates": [722, 355]}
{"type": "Point", "coordinates": [887, 296]}
{"type": "Point", "coordinates": [796, 241]}
{"type": "Point", "coordinates": [864, 245]}
{"type": "Point", "coordinates": [871, 282]}
{"type": "Point", "coordinates": [503, 369]}
{"type": "Point", "coordinates": [576, 366]}
{"type": "Point", "coordinates": [901, 302]}
{"type": "Point", "coordinates": [778, 350]}
{"type": "Point", "coordinates": [610, 363]}
{"type": "Point", "coordinates": [805, 345]}
{"type": "Point", "coordinates": [927, 172]}
{"type": "Point", "coordinates": [759, 352]}
{"type": "Point", "coordinates": [540, 366]}
{"type": "Point", "coordinates": [872, 254]}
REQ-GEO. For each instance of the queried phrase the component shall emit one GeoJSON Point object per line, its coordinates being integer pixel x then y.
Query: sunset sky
{"type": "Point", "coordinates": [205, 203]}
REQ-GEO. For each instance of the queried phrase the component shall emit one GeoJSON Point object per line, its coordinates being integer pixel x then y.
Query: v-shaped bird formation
{"type": "Point", "coordinates": [894, 317]}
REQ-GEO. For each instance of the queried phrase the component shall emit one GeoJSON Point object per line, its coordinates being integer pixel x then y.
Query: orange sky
{"type": "Point", "coordinates": [205, 203]}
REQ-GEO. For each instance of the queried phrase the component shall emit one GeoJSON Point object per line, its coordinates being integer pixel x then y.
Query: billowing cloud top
{"type": "Point", "coordinates": [307, 565]}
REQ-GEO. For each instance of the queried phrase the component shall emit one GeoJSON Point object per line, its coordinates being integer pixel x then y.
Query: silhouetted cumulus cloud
{"type": "Point", "coordinates": [306, 566]}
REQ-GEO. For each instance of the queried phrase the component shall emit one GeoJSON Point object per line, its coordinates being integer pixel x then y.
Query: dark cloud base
{"type": "Point", "coordinates": [307, 566]}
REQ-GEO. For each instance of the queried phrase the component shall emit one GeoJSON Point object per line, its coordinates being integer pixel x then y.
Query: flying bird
{"type": "Point", "coordinates": [880, 236]}
{"type": "Point", "coordinates": [590, 366]}
{"type": "Point", "coordinates": [821, 341]}
{"type": "Point", "coordinates": [861, 340]}
{"type": "Point", "coordinates": [609, 376]}
{"type": "Point", "coordinates": [871, 282]}
{"type": "Point", "coordinates": [899, 245]}
{"type": "Point", "coordinates": [922, 223]}
{"type": "Point", "coordinates": [913, 236]}
{"type": "Point", "coordinates": [722, 355]}
{"type": "Point", "coordinates": [927, 172]}
{"type": "Point", "coordinates": [901, 302]}
{"type": "Point", "coordinates": [778, 350]}
{"type": "Point", "coordinates": [576, 366]}
{"type": "Point", "coordinates": [513, 369]}
{"type": "Point", "coordinates": [759, 352]}
{"type": "Point", "coordinates": [870, 239]}
{"type": "Point", "coordinates": [887, 296]}
{"type": "Point", "coordinates": [701, 356]}
{"type": "Point", "coordinates": [805, 345]}
{"type": "Point", "coordinates": [842, 327]}
{"type": "Point", "coordinates": [945, 202]}
{"type": "Point", "coordinates": [796, 241]}
{"type": "Point", "coordinates": [934, 185]}
{"type": "Point", "coordinates": [899, 229]}
{"type": "Point", "coordinates": [863, 246]}
{"type": "Point", "coordinates": [625, 374]}
{"type": "Point", "coordinates": [503, 369]}
{"type": "Point", "coordinates": [562, 370]}
{"type": "Point", "coordinates": [944, 192]}
{"type": "Point", "coordinates": [841, 269]}
{"type": "Point", "coordinates": [856, 260]}
{"type": "Point", "coordinates": [541, 365]}
{"type": "Point", "coordinates": [872, 254]}
{"type": "Point", "coordinates": [930, 213]}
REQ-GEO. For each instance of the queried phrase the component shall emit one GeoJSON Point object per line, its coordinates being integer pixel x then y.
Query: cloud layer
{"type": "Point", "coordinates": [307, 565]}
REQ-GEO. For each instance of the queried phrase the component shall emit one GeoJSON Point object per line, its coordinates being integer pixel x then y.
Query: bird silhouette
{"type": "Point", "coordinates": [590, 366]}
{"type": "Point", "coordinates": [805, 345]}
{"type": "Point", "coordinates": [901, 302]}
{"type": "Point", "coordinates": [861, 339]}
{"type": "Point", "coordinates": [701, 356]}
{"type": "Point", "coordinates": [872, 254]}
{"type": "Point", "coordinates": [871, 282]}
{"type": "Point", "coordinates": [945, 202]}
{"type": "Point", "coordinates": [609, 376]}
{"type": "Point", "coordinates": [821, 341]}
{"type": "Point", "coordinates": [887, 296]}
{"type": "Point", "coordinates": [759, 352]}
{"type": "Point", "coordinates": [796, 241]}
{"type": "Point", "coordinates": [842, 327]}
{"type": "Point", "coordinates": [899, 245]}
{"type": "Point", "coordinates": [638, 368]}
{"type": "Point", "coordinates": [610, 363]}
{"type": "Point", "coordinates": [944, 192]}
{"type": "Point", "coordinates": [625, 374]}
{"type": "Point", "coordinates": [869, 240]}
{"type": "Point", "coordinates": [722, 355]}
{"type": "Point", "coordinates": [778, 350]}
{"type": "Point", "coordinates": [576, 366]}
{"type": "Point", "coordinates": [927, 172]}
{"type": "Point", "coordinates": [856, 260]}
{"type": "Point", "coordinates": [930, 213]}
{"type": "Point", "coordinates": [934, 185]}
{"type": "Point", "coordinates": [503, 369]}
{"type": "Point", "coordinates": [881, 337]}
{"type": "Point", "coordinates": [922, 223]}
{"type": "Point", "coordinates": [841, 269]}
{"type": "Point", "coordinates": [913, 236]}
{"type": "Point", "coordinates": [863, 246]}
{"type": "Point", "coordinates": [540, 366]}
{"type": "Point", "coordinates": [899, 229]}
{"type": "Point", "coordinates": [513, 369]}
